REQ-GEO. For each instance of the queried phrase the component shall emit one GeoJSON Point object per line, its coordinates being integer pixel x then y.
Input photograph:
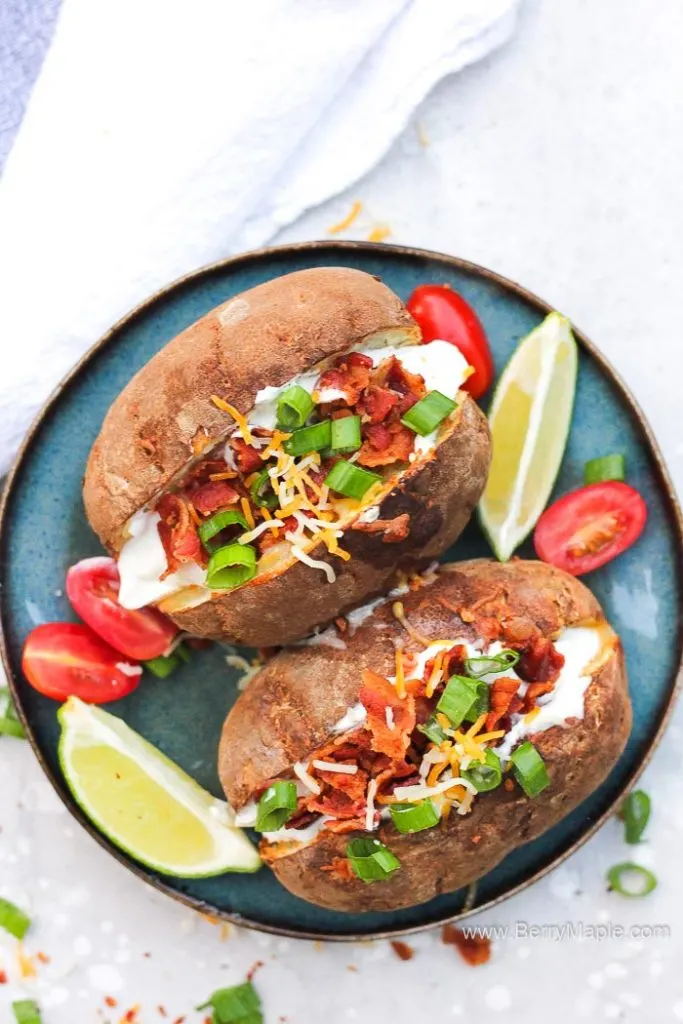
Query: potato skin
{"type": "Point", "coordinates": [439, 496]}
{"type": "Point", "coordinates": [264, 336]}
{"type": "Point", "coordinates": [290, 707]}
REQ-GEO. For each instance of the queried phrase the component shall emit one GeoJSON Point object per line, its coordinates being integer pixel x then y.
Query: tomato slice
{"type": "Point", "coordinates": [66, 659]}
{"type": "Point", "coordinates": [92, 586]}
{"type": "Point", "coordinates": [442, 313]}
{"type": "Point", "coordinates": [591, 526]}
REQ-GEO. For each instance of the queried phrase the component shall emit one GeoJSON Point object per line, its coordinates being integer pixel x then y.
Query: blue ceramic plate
{"type": "Point", "coordinates": [44, 531]}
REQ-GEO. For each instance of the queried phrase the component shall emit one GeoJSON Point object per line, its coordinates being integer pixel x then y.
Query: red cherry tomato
{"type": "Point", "coordinates": [92, 586]}
{"type": "Point", "coordinates": [589, 527]}
{"type": "Point", "coordinates": [442, 313]}
{"type": "Point", "coordinates": [66, 659]}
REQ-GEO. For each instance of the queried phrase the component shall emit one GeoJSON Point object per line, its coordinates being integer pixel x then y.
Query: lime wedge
{"type": "Point", "coordinates": [144, 802]}
{"type": "Point", "coordinates": [530, 417]}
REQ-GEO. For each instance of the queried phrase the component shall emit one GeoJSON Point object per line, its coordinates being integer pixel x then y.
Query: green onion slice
{"type": "Point", "coordinates": [370, 860]}
{"type": "Point", "coordinates": [349, 480]}
{"type": "Point", "coordinates": [485, 775]}
{"type": "Point", "coordinates": [26, 1012]}
{"type": "Point", "coordinates": [432, 730]}
{"type": "Point", "coordinates": [631, 879]}
{"type": "Point", "coordinates": [9, 722]}
{"type": "Point", "coordinates": [345, 435]}
{"type": "Point", "coordinates": [13, 919]}
{"type": "Point", "coordinates": [231, 566]}
{"type": "Point", "coordinates": [458, 699]}
{"type": "Point", "coordinates": [276, 806]}
{"type": "Point", "coordinates": [488, 664]}
{"type": "Point", "coordinates": [425, 416]}
{"type": "Point", "coordinates": [219, 521]}
{"type": "Point", "coordinates": [417, 817]}
{"type": "Point", "coordinates": [635, 813]}
{"type": "Point", "coordinates": [237, 1005]}
{"type": "Point", "coordinates": [529, 769]}
{"type": "Point", "coordinates": [163, 666]}
{"type": "Point", "coordinates": [294, 407]}
{"type": "Point", "coordinates": [481, 702]}
{"type": "Point", "coordinates": [309, 439]}
{"type": "Point", "coordinates": [261, 490]}
{"type": "Point", "coordinates": [607, 467]}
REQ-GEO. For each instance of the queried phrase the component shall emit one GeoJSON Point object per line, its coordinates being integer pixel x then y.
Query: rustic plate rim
{"type": "Point", "coordinates": [377, 249]}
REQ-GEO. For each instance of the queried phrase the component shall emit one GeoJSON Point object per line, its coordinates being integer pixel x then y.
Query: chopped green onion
{"type": "Point", "coordinates": [345, 435]}
{"type": "Point", "coordinates": [220, 521]}
{"type": "Point", "coordinates": [261, 490]}
{"type": "Point", "coordinates": [607, 467]}
{"type": "Point", "coordinates": [276, 806]}
{"type": "Point", "coordinates": [529, 769]}
{"type": "Point", "coordinates": [163, 666]}
{"type": "Point", "coordinates": [9, 721]}
{"type": "Point", "coordinates": [635, 813]}
{"type": "Point", "coordinates": [294, 407]}
{"type": "Point", "coordinates": [485, 775]}
{"type": "Point", "coordinates": [481, 702]}
{"type": "Point", "coordinates": [487, 664]}
{"type": "Point", "coordinates": [13, 920]}
{"type": "Point", "coordinates": [631, 879]}
{"type": "Point", "coordinates": [239, 1004]}
{"type": "Point", "coordinates": [410, 818]}
{"type": "Point", "coordinates": [432, 730]}
{"type": "Point", "coordinates": [370, 860]}
{"type": "Point", "coordinates": [425, 416]}
{"type": "Point", "coordinates": [349, 480]}
{"type": "Point", "coordinates": [183, 652]}
{"type": "Point", "coordinates": [309, 439]}
{"type": "Point", "coordinates": [231, 566]}
{"type": "Point", "coordinates": [26, 1012]}
{"type": "Point", "coordinates": [457, 699]}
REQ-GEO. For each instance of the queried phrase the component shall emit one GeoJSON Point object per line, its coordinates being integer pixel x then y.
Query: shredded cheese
{"type": "Point", "coordinates": [488, 737]}
{"type": "Point", "coordinates": [399, 615]}
{"type": "Point", "coordinates": [530, 715]}
{"type": "Point", "coordinates": [308, 780]}
{"type": "Point", "coordinates": [223, 476]}
{"type": "Point", "coordinates": [435, 771]}
{"type": "Point", "coordinates": [346, 221]}
{"type": "Point", "coordinates": [400, 682]}
{"type": "Point", "coordinates": [389, 718]}
{"type": "Point", "coordinates": [269, 524]}
{"type": "Point", "coordinates": [315, 563]}
{"type": "Point", "coordinates": [370, 806]}
{"type": "Point", "coordinates": [248, 514]}
{"type": "Point", "coordinates": [194, 515]}
{"type": "Point", "coordinates": [379, 233]}
{"type": "Point", "coordinates": [474, 729]}
{"type": "Point", "coordinates": [238, 417]}
{"type": "Point", "coordinates": [334, 766]}
{"type": "Point", "coordinates": [420, 792]}
{"type": "Point", "coordinates": [275, 443]}
{"type": "Point", "coordinates": [435, 675]}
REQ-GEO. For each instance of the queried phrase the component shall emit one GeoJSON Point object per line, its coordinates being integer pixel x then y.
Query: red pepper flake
{"type": "Point", "coordinates": [179, 1020]}
{"type": "Point", "coordinates": [43, 957]}
{"type": "Point", "coordinates": [474, 949]}
{"type": "Point", "coordinates": [3, 978]}
{"type": "Point", "coordinates": [509, 785]}
{"type": "Point", "coordinates": [130, 1016]}
{"type": "Point", "coordinates": [402, 950]}
{"type": "Point", "coordinates": [110, 1001]}
{"type": "Point", "coordinates": [253, 969]}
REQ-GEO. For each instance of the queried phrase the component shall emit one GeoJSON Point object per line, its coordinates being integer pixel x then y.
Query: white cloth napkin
{"type": "Point", "coordinates": [164, 134]}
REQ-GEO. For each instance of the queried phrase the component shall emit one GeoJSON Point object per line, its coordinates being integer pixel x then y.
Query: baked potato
{"type": "Point", "coordinates": [440, 729]}
{"type": "Point", "coordinates": [279, 460]}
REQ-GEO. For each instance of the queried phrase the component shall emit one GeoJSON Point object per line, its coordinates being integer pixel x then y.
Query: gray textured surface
{"type": "Point", "coordinates": [26, 28]}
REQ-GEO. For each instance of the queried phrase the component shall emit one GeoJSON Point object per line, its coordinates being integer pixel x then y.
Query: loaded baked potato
{"type": "Point", "coordinates": [276, 462]}
{"type": "Point", "coordinates": [439, 730]}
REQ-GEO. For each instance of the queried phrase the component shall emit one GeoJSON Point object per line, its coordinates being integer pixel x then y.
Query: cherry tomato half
{"type": "Point", "coordinates": [92, 586]}
{"type": "Point", "coordinates": [66, 659]}
{"type": "Point", "coordinates": [589, 527]}
{"type": "Point", "coordinates": [442, 313]}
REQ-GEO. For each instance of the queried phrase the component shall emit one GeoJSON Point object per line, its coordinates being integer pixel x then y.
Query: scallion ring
{"type": "Point", "coordinates": [432, 730]}
{"type": "Point", "coordinates": [409, 818]}
{"type": "Point", "coordinates": [485, 775]}
{"type": "Point", "coordinates": [457, 699]}
{"type": "Point", "coordinates": [163, 666]}
{"type": "Point", "coordinates": [294, 407]}
{"type": "Point", "coordinates": [607, 467]}
{"type": "Point", "coordinates": [309, 439]}
{"type": "Point", "coordinates": [217, 523]}
{"type": "Point", "coordinates": [370, 860]}
{"type": "Point", "coordinates": [276, 806]}
{"type": "Point", "coordinates": [13, 919]}
{"type": "Point", "coordinates": [488, 664]}
{"type": "Point", "coordinates": [426, 415]}
{"type": "Point", "coordinates": [231, 566]}
{"type": "Point", "coordinates": [261, 490]}
{"type": "Point", "coordinates": [529, 769]}
{"type": "Point", "coordinates": [26, 1012]}
{"type": "Point", "coordinates": [631, 879]}
{"type": "Point", "coordinates": [346, 436]}
{"type": "Point", "coordinates": [350, 480]}
{"type": "Point", "coordinates": [239, 1004]}
{"type": "Point", "coordinates": [635, 813]}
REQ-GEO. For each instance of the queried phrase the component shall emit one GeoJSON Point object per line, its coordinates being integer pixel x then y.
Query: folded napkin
{"type": "Point", "coordinates": [164, 135]}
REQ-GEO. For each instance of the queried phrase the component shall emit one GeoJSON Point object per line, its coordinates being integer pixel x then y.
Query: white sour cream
{"type": "Point", "coordinates": [143, 561]}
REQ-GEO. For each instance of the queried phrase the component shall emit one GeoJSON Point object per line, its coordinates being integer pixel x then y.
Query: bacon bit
{"type": "Point", "coordinates": [44, 958]}
{"type": "Point", "coordinates": [501, 694]}
{"type": "Point", "coordinates": [179, 1020]}
{"type": "Point", "coordinates": [386, 444]}
{"type": "Point", "coordinates": [178, 532]}
{"type": "Point", "coordinates": [215, 495]}
{"type": "Point", "coordinates": [130, 1015]}
{"type": "Point", "coordinates": [340, 869]}
{"type": "Point", "coordinates": [534, 691]}
{"type": "Point", "coordinates": [247, 458]}
{"type": "Point", "coordinates": [350, 375]}
{"type": "Point", "coordinates": [346, 221]}
{"type": "Point", "coordinates": [3, 978]}
{"type": "Point", "coordinates": [345, 825]}
{"type": "Point", "coordinates": [402, 950]}
{"type": "Point", "coordinates": [379, 233]}
{"type": "Point", "coordinates": [540, 661]}
{"type": "Point", "coordinates": [393, 530]}
{"type": "Point", "coordinates": [161, 1010]}
{"type": "Point", "coordinates": [111, 1002]}
{"type": "Point", "coordinates": [474, 949]}
{"type": "Point", "coordinates": [376, 403]}
{"type": "Point", "coordinates": [476, 839]}
{"type": "Point", "coordinates": [353, 786]}
{"type": "Point", "coordinates": [509, 785]}
{"type": "Point", "coordinates": [376, 694]}
{"type": "Point", "coordinates": [341, 624]}
{"type": "Point", "coordinates": [336, 803]}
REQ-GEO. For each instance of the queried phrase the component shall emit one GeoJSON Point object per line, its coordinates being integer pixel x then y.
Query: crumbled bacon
{"type": "Point", "coordinates": [501, 694]}
{"type": "Point", "coordinates": [454, 661]}
{"type": "Point", "coordinates": [350, 374]}
{"type": "Point", "coordinates": [335, 803]}
{"type": "Point", "coordinates": [178, 532]}
{"type": "Point", "coordinates": [353, 786]}
{"type": "Point", "coordinates": [534, 691]}
{"type": "Point", "coordinates": [377, 694]}
{"type": "Point", "coordinates": [402, 950]}
{"type": "Point", "coordinates": [540, 661]}
{"type": "Point", "coordinates": [212, 496]}
{"type": "Point", "coordinates": [302, 819]}
{"type": "Point", "coordinates": [339, 868]}
{"type": "Point", "coordinates": [247, 458]}
{"type": "Point", "coordinates": [348, 825]}
{"type": "Point", "coordinates": [376, 403]}
{"type": "Point", "coordinates": [269, 538]}
{"type": "Point", "coordinates": [386, 444]}
{"type": "Point", "coordinates": [474, 949]}
{"type": "Point", "coordinates": [393, 530]}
